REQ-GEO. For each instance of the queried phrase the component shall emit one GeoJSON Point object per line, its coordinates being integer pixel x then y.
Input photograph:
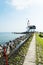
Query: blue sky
{"type": "Point", "coordinates": [15, 13]}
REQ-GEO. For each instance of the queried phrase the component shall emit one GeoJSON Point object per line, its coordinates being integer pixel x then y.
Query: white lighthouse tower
{"type": "Point", "coordinates": [28, 24]}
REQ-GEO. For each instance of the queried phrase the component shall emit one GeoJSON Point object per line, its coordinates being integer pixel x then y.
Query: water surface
{"type": "Point", "coordinates": [7, 36]}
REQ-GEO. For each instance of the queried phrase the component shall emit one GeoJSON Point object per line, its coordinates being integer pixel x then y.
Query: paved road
{"type": "Point", "coordinates": [31, 54]}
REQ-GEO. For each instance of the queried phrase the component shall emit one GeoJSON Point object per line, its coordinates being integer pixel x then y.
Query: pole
{"type": "Point", "coordinates": [6, 58]}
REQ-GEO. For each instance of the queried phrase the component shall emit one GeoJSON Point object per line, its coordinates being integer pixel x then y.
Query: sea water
{"type": "Point", "coordinates": [7, 36]}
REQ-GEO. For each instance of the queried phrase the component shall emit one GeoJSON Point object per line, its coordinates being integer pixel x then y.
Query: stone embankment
{"type": "Point", "coordinates": [11, 45]}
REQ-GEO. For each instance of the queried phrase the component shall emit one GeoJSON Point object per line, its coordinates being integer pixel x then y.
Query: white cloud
{"type": "Point", "coordinates": [21, 4]}
{"type": "Point", "coordinates": [37, 2]}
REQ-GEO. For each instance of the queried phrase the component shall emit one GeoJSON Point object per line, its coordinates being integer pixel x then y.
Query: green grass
{"type": "Point", "coordinates": [39, 50]}
{"type": "Point", "coordinates": [39, 40]}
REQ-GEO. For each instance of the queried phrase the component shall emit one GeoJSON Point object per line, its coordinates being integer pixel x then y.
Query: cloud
{"type": "Point", "coordinates": [37, 2]}
{"type": "Point", "coordinates": [21, 4]}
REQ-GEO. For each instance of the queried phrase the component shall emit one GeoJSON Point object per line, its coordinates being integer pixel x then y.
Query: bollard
{"type": "Point", "coordinates": [5, 56]}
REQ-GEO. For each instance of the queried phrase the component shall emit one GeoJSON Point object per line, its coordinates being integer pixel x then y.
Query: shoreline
{"type": "Point", "coordinates": [7, 36]}
{"type": "Point", "coordinates": [11, 45]}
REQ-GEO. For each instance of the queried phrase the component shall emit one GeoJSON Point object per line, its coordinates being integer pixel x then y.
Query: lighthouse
{"type": "Point", "coordinates": [30, 28]}
{"type": "Point", "coordinates": [28, 23]}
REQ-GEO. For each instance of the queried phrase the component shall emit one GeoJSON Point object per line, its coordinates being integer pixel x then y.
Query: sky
{"type": "Point", "coordinates": [14, 15]}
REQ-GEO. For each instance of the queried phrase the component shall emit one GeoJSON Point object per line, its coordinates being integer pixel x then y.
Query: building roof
{"type": "Point", "coordinates": [32, 27]}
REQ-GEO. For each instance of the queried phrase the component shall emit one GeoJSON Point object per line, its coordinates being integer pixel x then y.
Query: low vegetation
{"type": "Point", "coordinates": [39, 50]}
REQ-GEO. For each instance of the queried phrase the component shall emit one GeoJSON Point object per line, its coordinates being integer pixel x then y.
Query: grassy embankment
{"type": "Point", "coordinates": [39, 50]}
{"type": "Point", "coordinates": [20, 56]}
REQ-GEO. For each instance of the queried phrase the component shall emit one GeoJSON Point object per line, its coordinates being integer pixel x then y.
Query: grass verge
{"type": "Point", "coordinates": [39, 50]}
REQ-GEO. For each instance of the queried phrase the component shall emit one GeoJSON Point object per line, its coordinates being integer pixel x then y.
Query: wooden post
{"type": "Point", "coordinates": [6, 58]}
